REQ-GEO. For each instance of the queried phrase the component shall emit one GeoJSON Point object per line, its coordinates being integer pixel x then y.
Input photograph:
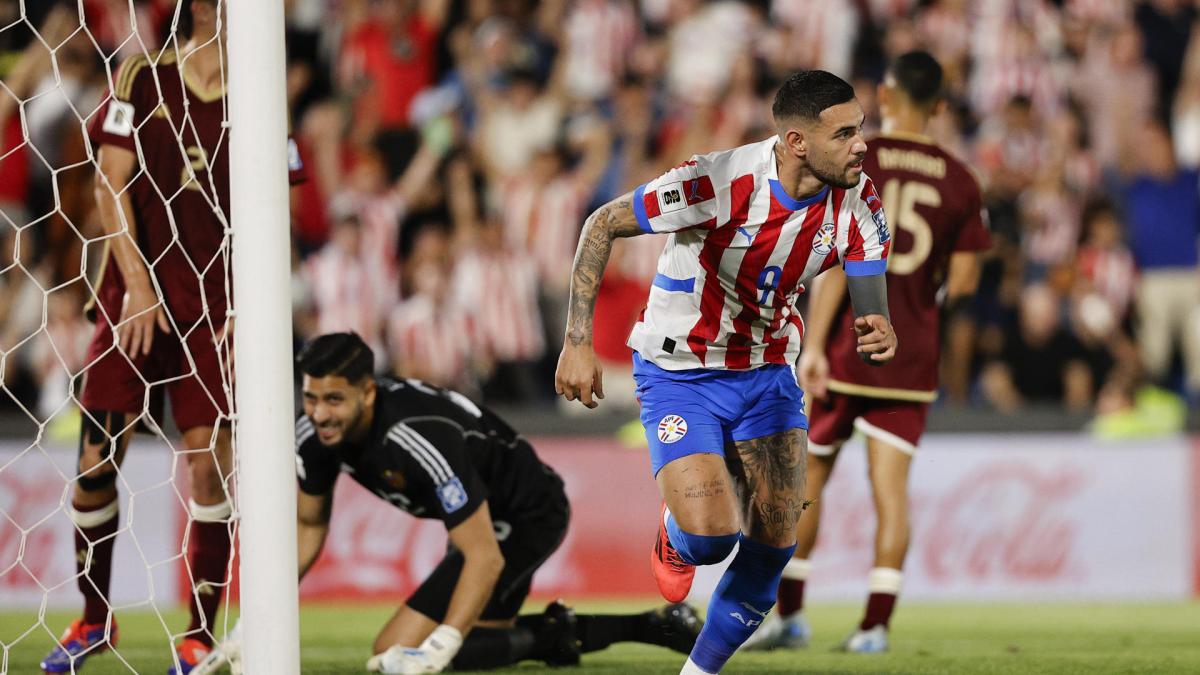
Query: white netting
{"type": "Point", "coordinates": [66, 98]}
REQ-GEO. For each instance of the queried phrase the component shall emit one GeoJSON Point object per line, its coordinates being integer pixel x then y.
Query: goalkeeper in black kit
{"type": "Point", "coordinates": [435, 454]}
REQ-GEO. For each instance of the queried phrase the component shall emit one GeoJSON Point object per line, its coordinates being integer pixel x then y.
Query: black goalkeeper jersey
{"type": "Point", "coordinates": [435, 454]}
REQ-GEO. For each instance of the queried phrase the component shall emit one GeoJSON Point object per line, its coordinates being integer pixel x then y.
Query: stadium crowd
{"type": "Point", "coordinates": [453, 149]}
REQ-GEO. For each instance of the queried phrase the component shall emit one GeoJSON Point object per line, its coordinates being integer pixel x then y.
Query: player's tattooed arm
{"type": "Point", "coordinates": [611, 221]}
{"type": "Point", "coordinates": [579, 375]}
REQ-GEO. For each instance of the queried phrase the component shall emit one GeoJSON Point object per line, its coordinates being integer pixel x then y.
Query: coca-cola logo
{"type": "Point", "coordinates": [1004, 520]}
{"type": "Point", "coordinates": [27, 497]}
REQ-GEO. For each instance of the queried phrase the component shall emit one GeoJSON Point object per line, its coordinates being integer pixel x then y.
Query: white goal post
{"type": "Point", "coordinates": [263, 424]}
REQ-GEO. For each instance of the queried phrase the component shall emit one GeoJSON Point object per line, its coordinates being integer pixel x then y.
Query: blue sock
{"type": "Point", "coordinates": [699, 549]}
{"type": "Point", "coordinates": [744, 596]}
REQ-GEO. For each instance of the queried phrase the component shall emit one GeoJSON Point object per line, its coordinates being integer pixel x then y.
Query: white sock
{"type": "Point", "coordinates": [797, 569]}
{"type": "Point", "coordinates": [690, 668]}
{"type": "Point", "coordinates": [884, 580]}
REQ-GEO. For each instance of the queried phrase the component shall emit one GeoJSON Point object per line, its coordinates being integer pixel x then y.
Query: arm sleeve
{"type": "Point", "coordinates": [119, 116]}
{"type": "Point", "coordinates": [316, 468]}
{"type": "Point", "coordinates": [679, 199]}
{"type": "Point", "coordinates": [867, 241]}
{"type": "Point", "coordinates": [441, 477]}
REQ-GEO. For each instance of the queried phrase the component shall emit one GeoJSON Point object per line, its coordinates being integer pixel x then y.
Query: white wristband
{"type": "Point", "coordinates": [442, 645]}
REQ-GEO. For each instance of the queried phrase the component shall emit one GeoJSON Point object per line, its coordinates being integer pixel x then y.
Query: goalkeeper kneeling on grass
{"type": "Point", "coordinates": [435, 454]}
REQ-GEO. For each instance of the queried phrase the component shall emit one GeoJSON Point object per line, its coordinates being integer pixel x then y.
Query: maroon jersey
{"type": "Point", "coordinates": [180, 192]}
{"type": "Point", "coordinates": [935, 209]}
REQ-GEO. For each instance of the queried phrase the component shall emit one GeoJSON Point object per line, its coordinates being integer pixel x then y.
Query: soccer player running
{"type": "Point", "coordinates": [935, 205]}
{"type": "Point", "coordinates": [163, 173]}
{"type": "Point", "coordinates": [435, 454]}
{"type": "Point", "coordinates": [715, 346]}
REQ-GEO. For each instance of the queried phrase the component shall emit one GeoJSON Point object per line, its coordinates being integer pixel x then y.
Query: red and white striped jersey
{"type": "Point", "coordinates": [739, 251]}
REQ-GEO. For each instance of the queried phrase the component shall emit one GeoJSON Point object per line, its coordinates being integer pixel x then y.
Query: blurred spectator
{"type": "Point", "coordinates": [387, 59]}
{"type": "Point", "coordinates": [428, 336]}
{"type": "Point", "coordinates": [1162, 207]}
{"type": "Point", "coordinates": [498, 286]}
{"type": "Point", "coordinates": [1041, 361]}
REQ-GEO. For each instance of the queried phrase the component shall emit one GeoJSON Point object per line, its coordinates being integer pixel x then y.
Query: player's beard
{"type": "Point", "coordinates": [831, 174]}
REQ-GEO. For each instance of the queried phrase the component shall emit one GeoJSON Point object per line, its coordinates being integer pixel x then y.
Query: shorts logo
{"type": "Point", "coordinates": [670, 198]}
{"type": "Point", "coordinates": [823, 242]}
{"type": "Point", "coordinates": [453, 495]}
{"type": "Point", "coordinates": [671, 428]}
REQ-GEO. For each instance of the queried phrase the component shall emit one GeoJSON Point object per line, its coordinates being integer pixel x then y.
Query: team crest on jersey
{"type": "Point", "coordinates": [671, 428]}
{"type": "Point", "coordinates": [453, 495]}
{"type": "Point", "coordinates": [394, 479]}
{"type": "Point", "coordinates": [823, 242]}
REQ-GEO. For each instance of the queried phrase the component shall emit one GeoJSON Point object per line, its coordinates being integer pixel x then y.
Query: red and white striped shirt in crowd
{"type": "Point", "coordinates": [346, 295]}
{"type": "Point", "coordinates": [430, 341]}
{"type": "Point", "coordinates": [817, 34]}
{"type": "Point", "coordinates": [1112, 273]}
{"type": "Point", "coordinates": [542, 220]}
{"type": "Point", "coordinates": [600, 36]}
{"type": "Point", "coordinates": [379, 220]}
{"type": "Point", "coordinates": [1051, 225]}
{"type": "Point", "coordinates": [738, 252]}
{"type": "Point", "coordinates": [994, 85]}
{"type": "Point", "coordinates": [498, 289]}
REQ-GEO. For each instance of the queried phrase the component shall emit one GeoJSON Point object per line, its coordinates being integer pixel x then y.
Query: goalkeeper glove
{"type": "Point", "coordinates": [433, 656]}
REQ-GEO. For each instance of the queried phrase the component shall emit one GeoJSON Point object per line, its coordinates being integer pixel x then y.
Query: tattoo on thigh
{"type": "Point", "coordinates": [774, 463]}
{"type": "Point", "coordinates": [712, 488]}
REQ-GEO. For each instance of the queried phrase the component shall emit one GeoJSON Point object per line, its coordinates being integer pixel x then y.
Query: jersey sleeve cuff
{"type": "Point", "coordinates": [639, 209]}
{"type": "Point", "coordinates": [865, 268]}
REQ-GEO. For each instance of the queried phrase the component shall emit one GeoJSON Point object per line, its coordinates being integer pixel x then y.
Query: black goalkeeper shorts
{"type": "Point", "coordinates": [525, 546]}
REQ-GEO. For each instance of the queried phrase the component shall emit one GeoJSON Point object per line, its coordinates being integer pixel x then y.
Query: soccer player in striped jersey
{"type": "Point", "coordinates": [433, 453]}
{"type": "Point", "coordinates": [935, 204]}
{"type": "Point", "coordinates": [715, 347]}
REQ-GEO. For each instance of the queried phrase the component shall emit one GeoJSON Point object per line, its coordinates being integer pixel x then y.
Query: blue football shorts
{"type": "Point", "coordinates": [688, 412]}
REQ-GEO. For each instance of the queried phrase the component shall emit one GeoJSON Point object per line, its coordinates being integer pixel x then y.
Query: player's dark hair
{"type": "Point", "coordinates": [805, 94]}
{"type": "Point", "coordinates": [341, 354]}
{"type": "Point", "coordinates": [918, 75]}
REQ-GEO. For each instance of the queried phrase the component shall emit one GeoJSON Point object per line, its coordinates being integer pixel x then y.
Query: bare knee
{"type": "Point", "coordinates": [700, 494]}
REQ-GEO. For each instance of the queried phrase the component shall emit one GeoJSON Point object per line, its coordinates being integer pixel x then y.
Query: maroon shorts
{"type": "Point", "coordinates": [833, 420]}
{"type": "Point", "coordinates": [115, 383]}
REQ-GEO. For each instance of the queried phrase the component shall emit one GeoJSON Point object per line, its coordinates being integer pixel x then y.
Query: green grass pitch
{"type": "Point", "coordinates": [926, 638]}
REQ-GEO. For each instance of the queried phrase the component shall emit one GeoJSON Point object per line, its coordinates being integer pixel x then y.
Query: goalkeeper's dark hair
{"type": "Point", "coordinates": [341, 354]}
{"type": "Point", "coordinates": [918, 75]}
{"type": "Point", "coordinates": [807, 93]}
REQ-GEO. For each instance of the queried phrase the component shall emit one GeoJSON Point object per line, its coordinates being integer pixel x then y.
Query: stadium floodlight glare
{"type": "Point", "coordinates": [263, 424]}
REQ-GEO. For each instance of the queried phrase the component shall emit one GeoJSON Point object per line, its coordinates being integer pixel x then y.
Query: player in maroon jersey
{"type": "Point", "coordinates": [162, 191]}
{"type": "Point", "coordinates": [939, 228]}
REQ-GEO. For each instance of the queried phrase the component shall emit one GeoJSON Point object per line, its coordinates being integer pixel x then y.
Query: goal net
{"type": "Point", "coordinates": [118, 512]}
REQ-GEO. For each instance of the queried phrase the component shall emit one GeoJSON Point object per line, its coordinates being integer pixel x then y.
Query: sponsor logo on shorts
{"type": "Point", "coordinates": [823, 242]}
{"type": "Point", "coordinates": [671, 428]}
